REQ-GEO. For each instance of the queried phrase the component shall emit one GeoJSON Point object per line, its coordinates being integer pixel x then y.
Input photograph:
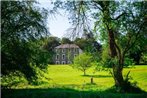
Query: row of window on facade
{"type": "Point", "coordinates": [63, 62]}
{"type": "Point", "coordinates": [69, 50]}
{"type": "Point", "coordinates": [63, 56]}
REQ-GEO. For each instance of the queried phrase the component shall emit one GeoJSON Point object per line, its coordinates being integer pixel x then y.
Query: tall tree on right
{"type": "Point", "coordinates": [123, 32]}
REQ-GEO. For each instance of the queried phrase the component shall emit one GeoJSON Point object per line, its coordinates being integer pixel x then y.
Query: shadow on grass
{"type": "Point", "coordinates": [64, 93]}
{"type": "Point", "coordinates": [97, 76]}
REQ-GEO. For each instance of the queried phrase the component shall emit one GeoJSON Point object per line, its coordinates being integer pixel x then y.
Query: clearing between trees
{"type": "Point", "coordinates": [63, 80]}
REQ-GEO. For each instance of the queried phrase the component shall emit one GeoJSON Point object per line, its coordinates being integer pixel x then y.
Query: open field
{"type": "Point", "coordinates": [65, 75]}
{"type": "Point", "coordinates": [63, 81]}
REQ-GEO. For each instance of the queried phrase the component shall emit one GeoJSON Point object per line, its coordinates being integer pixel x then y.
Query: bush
{"type": "Point", "coordinates": [13, 80]}
{"type": "Point", "coordinates": [42, 76]}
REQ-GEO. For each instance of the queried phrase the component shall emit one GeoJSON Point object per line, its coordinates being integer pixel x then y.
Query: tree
{"type": "Point", "coordinates": [120, 26]}
{"type": "Point", "coordinates": [120, 43]}
{"type": "Point", "coordinates": [40, 56]}
{"type": "Point", "coordinates": [121, 38]}
{"type": "Point", "coordinates": [22, 25]}
{"type": "Point", "coordinates": [82, 62]}
{"type": "Point", "coordinates": [66, 41]}
{"type": "Point", "coordinates": [88, 45]}
{"type": "Point", "coordinates": [49, 45]}
{"type": "Point", "coordinates": [139, 50]}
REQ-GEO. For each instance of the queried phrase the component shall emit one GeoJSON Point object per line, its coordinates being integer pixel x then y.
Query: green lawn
{"type": "Point", "coordinates": [63, 81]}
{"type": "Point", "coordinates": [65, 75]}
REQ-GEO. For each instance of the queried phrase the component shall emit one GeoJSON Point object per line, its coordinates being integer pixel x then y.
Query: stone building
{"type": "Point", "coordinates": [65, 53]}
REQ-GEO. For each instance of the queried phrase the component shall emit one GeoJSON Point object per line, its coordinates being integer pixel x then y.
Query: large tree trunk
{"type": "Point", "coordinates": [118, 77]}
{"type": "Point", "coordinates": [115, 51]}
{"type": "Point", "coordinates": [112, 47]}
{"type": "Point", "coordinates": [117, 68]}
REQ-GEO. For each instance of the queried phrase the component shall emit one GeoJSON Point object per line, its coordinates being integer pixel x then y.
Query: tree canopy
{"type": "Point", "coordinates": [82, 62]}
{"type": "Point", "coordinates": [23, 24]}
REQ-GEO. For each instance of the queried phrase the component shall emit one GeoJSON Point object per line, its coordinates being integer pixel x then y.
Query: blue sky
{"type": "Point", "coordinates": [59, 24]}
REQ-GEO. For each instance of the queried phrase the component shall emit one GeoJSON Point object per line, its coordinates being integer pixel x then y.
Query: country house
{"type": "Point", "coordinates": [65, 53]}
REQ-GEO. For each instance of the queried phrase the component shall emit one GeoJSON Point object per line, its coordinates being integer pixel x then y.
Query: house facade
{"type": "Point", "coordinates": [65, 53]}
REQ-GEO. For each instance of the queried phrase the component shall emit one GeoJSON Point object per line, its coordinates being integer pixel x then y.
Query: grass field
{"type": "Point", "coordinates": [63, 81]}
{"type": "Point", "coordinates": [65, 75]}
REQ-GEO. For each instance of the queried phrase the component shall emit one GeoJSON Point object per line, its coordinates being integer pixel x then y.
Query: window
{"type": "Point", "coordinates": [63, 62]}
{"type": "Point", "coordinates": [57, 62]}
{"type": "Point", "coordinates": [75, 55]}
{"type": "Point", "coordinates": [63, 50]}
{"type": "Point", "coordinates": [63, 56]}
{"type": "Point", "coordinates": [57, 56]}
{"type": "Point", "coordinates": [75, 50]}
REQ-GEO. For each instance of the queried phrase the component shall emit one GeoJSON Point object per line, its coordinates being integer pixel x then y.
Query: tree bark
{"type": "Point", "coordinates": [116, 52]}
{"type": "Point", "coordinates": [113, 52]}
{"type": "Point", "coordinates": [118, 77]}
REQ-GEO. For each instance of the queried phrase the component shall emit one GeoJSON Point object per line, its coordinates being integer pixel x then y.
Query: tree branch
{"type": "Point", "coordinates": [129, 46]}
{"type": "Point", "coordinates": [96, 6]}
{"type": "Point", "coordinates": [119, 16]}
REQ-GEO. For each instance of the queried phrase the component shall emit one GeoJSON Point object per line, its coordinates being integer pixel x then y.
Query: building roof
{"type": "Point", "coordinates": [67, 46]}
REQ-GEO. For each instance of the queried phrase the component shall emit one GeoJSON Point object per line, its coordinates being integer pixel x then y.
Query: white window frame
{"type": "Point", "coordinates": [57, 62]}
{"type": "Point", "coordinates": [63, 56]}
{"type": "Point", "coordinates": [63, 62]}
{"type": "Point", "coordinates": [63, 50]}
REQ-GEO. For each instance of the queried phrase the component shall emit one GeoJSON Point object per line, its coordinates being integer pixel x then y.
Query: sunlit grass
{"type": "Point", "coordinates": [64, 75]}
{"type": "Point", "coordinates": [138, 74]}
{"type": "Point", "coordinates": [62, 81]}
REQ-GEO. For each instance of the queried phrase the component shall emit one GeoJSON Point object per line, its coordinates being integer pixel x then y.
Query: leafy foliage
{"type": "Point", "coordinates": [23, 23]}
{"type": "Point", "coordinates": [66, 41]}
{"type": "Point", "coordinates": [42, 76]}
{"type": "Point", "coordinates": [83, 62]}
{"type": "Point", "coordinates": [14, 79]}
{"type": "Point", "coordinates": [49, 45]}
